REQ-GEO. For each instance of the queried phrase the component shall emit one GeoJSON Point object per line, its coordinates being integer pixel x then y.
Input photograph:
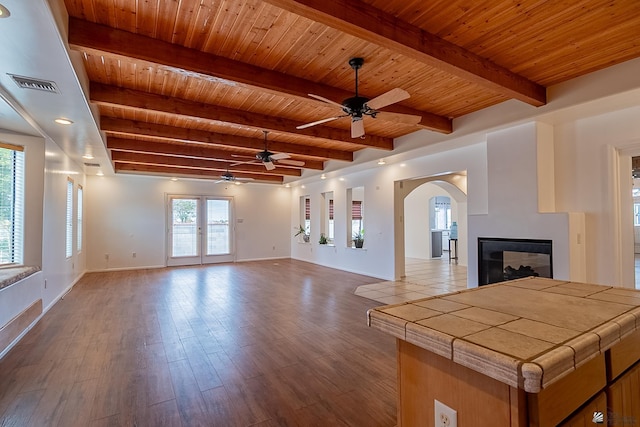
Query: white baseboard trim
{"type": "Point", "coordinates": [141, 267]}
{"type": "Point", "coordinates": [262, 259]}
{"type": "Point", "coordinates": [348, 270]}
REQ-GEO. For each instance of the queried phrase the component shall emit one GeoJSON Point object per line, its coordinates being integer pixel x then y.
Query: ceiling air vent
{"type": "Point", "coordinates": [93, 165]}
{"type": "Point", "coordinates": [29, 83]}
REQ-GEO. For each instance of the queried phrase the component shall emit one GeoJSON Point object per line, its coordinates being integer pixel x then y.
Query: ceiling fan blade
{"type": "Point", "coordinates": [319, 122]}
{"type": "Point", "coordinates": [292, 162]}
{"type": "Point", "coordinates": [408, 119]}
{"type": "Point", "coordinates": [269, 165]}
{"type": "Point", "coordinates": [328, 101]}
{"type": "Point", "coordinates": [388, 98]}
{"type": "Point", "coordinates": [357, 128]}
{"type": "Point", "coordinates": [280, 156]}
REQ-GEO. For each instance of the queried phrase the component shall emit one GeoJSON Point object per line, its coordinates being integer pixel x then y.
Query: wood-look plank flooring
{"type": "Point", "coordinates": [267, 343]}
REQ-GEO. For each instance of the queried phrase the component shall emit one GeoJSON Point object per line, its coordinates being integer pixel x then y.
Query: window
{"type": "Point", "coordinates": [441, 213]}
{"type": "Point", "coordinates": [305, 209]}
{"type": "Point", "coordinates": [355, 215]}
{"type": "Point", "coordinates": [79, 221]}
{"type": "Point", "coordinates": [11, 204]}
{"type": "Point", "coordinates": [636, 214]}
{"type": "Point", "coordinates": [69, 231]}
{"type": "Point", "coordinates": [326, 215]}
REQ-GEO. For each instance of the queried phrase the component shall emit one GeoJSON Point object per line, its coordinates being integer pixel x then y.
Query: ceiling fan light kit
{"type": "Point", "coordinates": [358, 106]}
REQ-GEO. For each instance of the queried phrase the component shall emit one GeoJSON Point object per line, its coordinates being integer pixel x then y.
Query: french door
{"type": "Point", "coordinates": [200, 230]}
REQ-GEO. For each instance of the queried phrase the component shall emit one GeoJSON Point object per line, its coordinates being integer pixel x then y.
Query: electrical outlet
{"type": "Point", "coordinates": [134, 255]}
{"type": "Point", "coordinates": [106, 256]}
{"type": "Point", "coordinates": [445, 416]}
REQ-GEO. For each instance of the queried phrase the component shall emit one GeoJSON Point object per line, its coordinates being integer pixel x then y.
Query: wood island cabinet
{"type": "Point", "coordinates": [530, 352]}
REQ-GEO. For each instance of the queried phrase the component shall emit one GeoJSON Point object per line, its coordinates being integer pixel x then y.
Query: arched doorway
{"type": "Point", "coordinates": [411, 202]}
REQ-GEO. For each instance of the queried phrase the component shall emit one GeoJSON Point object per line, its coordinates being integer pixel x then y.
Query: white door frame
{"type": "Point", "coordinates": [201, 257]}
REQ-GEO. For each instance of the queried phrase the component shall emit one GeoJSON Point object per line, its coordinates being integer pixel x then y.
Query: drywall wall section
{"type": "Point", "coordinates": [59, 272]}
{"type": "Point", "coordinates": [587, 152]}
{"type": "Point", "coordinates": [377, 258]}
{"type": "Point", "coordinates": [127, 214]}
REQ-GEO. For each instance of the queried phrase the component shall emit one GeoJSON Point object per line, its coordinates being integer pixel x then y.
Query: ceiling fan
{"type": "Point", "coordinates": [357, 106]}
{"type": "Point", "coordinates": [267, 158]}
{"type": "Point", "coordinates": [229, 177]}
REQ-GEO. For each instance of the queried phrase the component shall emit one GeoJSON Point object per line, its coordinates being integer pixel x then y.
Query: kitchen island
{"type": "Point", "coordinates": [538, 352]}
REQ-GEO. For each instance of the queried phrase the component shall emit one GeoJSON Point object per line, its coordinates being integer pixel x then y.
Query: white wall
{"type": "Point", "coordinates": [60, 273]}
{"type": "Point", "coordinates": [378, 257]}
{"type": "Point", "coordinates": [127, 213]}
{"type": "Point", "coordinates": [587, 153]}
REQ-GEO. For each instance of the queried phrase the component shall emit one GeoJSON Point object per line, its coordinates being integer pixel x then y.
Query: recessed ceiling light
{"type": "Point", "coordinates": [381, 162]}
{"type": "Point", "coordinates": [237, 183]}
{"type": "Point", "coordinates": [100, 173]}
{"type": "Point", "coordinates": [288, 185]}
{"type": "Point", "coordinates": [4, 12]}
{"type": "Point", "coordinates": [62, 121]}
{"type": "Point", "coordinates": [174, 179]}
{"type": "Point", "coordinates": [341, 179]}
{"type": "Point", "coordinates": [302, 186]}
{"type": "Point", "coordinates": [403, 165]}
{"type": "Point", "coordinates": [88, 156]}
{"type": "Point", "coordinates": [323, 176]}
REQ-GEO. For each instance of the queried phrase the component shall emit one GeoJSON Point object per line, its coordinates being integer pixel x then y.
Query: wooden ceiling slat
{"type": "Point", "coordinates": [189, 150]}
{"type": "Point", "coordinates": [99, 39]}
{"type": "Point", "coordinates": [132, 127]}
{"type": "Point", "coordinates": [163, 160]}
{"type": "Point", "coordinates": [197, 173]}
{"type": "Point", "coordinates": [361, 20]}
{"type": "Point", "coordinates": [110, 95]}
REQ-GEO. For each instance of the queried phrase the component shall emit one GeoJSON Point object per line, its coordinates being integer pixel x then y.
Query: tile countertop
{"type": "Point", "coordinates": [526, 333]}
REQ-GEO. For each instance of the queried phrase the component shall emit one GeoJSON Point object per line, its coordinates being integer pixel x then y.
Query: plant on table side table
{"type": "Point", "coordinates": [323, 239]}
{"type": "Point", "coordinates": [305, 236]}
{"type": "Point", "coordinates": [358, 239]}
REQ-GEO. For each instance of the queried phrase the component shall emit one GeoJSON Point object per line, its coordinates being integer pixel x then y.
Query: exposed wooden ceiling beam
{"type": "Point", "coordinates": [100, 39]}
{"type": "Point", "coordinates": [155, 159]}
{"type": "Point", "coordinates": [133, 127]}
{"type": "Point", "coordinates": [185, 150]}
{"type": "Point", "coordinates": [368, 23]}
{"type": "Point", "coordinates": [128, 98]}
{"type": "Point", "coordinates": [196, 173]}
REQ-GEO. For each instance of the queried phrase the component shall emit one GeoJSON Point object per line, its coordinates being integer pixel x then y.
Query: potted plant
{"type": "Point", "coordinates": [323, 239]}
{"type": "Point", "coordinates": [358, 239]}
{"type": "Point", "coordinates": [305, 236]}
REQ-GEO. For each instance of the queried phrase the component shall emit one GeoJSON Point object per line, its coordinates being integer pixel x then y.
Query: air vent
{"type": "Point", "coordinates": [29, 83]}
{"type": "Point", "coordinates": [93, 165]}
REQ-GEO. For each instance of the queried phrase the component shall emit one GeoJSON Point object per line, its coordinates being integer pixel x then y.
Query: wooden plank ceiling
{"type": "Point", "coordinates": [188, 88]}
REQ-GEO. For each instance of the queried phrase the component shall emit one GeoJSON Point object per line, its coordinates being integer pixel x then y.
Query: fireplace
{"type": "Point", "coordinates": [508, 259]}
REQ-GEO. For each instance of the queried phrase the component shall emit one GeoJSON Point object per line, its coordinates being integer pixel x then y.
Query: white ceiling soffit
{"type": "Point", "coordinates": [34, 49]}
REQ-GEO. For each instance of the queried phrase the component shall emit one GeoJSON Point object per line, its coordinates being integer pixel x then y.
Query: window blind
{"type": "Point", "coordinates": [356, 209]}
{"type": "Point", "coordinates": [79, 220]}
{"type": "Point", "coordinates": [69, 221]}
{"type": "Point", "coordinates": [11, 204]}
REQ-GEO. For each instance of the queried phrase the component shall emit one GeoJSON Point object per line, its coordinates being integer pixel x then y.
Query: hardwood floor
{"type": "Point", "coordinates": [269, 343]}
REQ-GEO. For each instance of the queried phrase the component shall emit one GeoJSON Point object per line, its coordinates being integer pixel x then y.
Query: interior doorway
{"type": "Point", "coordinates": [416, 236]}
{"type": "Point", "coordinates": [199, 230]}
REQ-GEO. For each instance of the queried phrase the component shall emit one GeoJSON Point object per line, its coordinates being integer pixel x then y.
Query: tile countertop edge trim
{"type": "Point", "coordinates": [496, 365]}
